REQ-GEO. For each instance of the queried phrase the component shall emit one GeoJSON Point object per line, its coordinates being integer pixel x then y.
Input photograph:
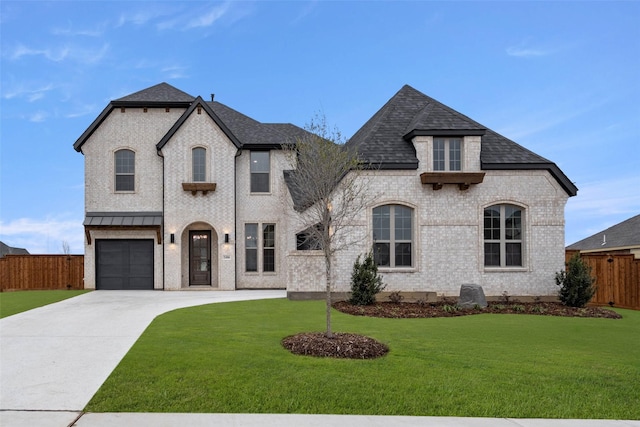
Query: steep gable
{"type": "Point", "coordinates": [385, 139]}
{"type": "Point", "coordinates": [158, 96]}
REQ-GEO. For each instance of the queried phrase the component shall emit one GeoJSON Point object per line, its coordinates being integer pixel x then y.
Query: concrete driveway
{"type": "Point", "coordinates": [55, 358]}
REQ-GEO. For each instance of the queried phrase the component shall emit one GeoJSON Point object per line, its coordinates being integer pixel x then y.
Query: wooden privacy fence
{"type": "Point", "coordinates": [617, 278]}
{"type": "Point", "coordinates": [31, 272]}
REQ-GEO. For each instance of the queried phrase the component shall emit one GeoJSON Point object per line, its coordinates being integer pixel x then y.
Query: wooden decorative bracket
{"type": "Point", "coordinates": [463, 179]}
{"type": "Point", "coordinates": [194, 187]}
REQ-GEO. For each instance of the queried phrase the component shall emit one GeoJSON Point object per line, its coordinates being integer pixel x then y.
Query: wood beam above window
{"type": "Point", "coordinates": [194, 187]}
{"type": "Point", "coordinates": [463, 179]}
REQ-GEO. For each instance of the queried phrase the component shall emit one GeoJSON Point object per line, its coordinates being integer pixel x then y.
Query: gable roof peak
{"type": "Point", "coordinates": [160, 93]}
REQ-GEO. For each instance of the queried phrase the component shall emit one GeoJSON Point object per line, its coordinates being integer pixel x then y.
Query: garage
{"type": "Point", "coordinates": [124, 264]}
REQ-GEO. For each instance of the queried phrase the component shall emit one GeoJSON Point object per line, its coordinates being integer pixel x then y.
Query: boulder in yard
{"type": "Point", "coordinates": [471, 295]}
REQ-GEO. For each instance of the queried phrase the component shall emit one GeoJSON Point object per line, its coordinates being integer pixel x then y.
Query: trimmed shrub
{"type": "Point", "coordinates": [365, 281]}
{"type": "Point", "coordinates": [576, 284]}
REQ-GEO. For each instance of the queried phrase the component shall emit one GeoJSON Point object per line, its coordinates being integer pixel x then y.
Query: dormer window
{"type": "Point", "coordinates": [447, 154]}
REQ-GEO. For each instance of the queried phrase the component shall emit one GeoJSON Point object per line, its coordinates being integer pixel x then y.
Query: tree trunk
{"type": "Point", "coordinates": [327, 263]}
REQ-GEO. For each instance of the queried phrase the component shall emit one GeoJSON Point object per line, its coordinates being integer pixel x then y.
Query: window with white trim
{"type": "Point", "coordinates": [260, 247]}
{"type": "Point", "coordinates": [199, 164]}
{"type": "Point", "coordinates": [393, 236]}
{"type": "Point", "coordinates": [125, 164]}
{"type": "Point", "coordinates": [447, 154]}
{"type": "Point", "coordinates": [260, 171]}
{"type": "Point", "coordinates": [503, 236]}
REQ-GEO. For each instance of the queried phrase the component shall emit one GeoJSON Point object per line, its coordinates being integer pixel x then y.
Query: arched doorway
{"type": "Point", "coordinates": [200, 255]}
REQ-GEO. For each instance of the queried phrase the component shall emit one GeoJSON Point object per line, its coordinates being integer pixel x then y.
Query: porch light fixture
{"type": "Point", "coordinates": [226, 237]}
{"type": "Point", "coordinates": [173, 238]}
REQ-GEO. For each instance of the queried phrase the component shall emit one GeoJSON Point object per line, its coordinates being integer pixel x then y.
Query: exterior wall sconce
{"type": "Point", "coordinates": [173, 238]}
{"type": "Point", "coordinates": [226, 237]}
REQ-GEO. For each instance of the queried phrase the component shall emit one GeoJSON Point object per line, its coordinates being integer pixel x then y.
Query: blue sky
{"type": "Point", "coordinates": [560, 78]}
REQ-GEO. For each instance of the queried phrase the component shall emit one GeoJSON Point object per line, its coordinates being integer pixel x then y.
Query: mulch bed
{"type": "Point", "coordinates": [450, 309]}
{"type": "Point", "coordinates": [353, 346]}
{"type": "Point", "coordinates": [342, 345]}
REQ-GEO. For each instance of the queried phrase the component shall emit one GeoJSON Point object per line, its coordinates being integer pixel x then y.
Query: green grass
{"type": "Point", "coordinates": [16, 302]}
{"type": "Point", "coordinates": [228, 358]}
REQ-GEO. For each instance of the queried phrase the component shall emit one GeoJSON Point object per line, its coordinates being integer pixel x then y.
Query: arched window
{"type": "Point", "coordinates": [125, 161]}
{"type": "Point", "coordinates": [199, 164]}
{"type": "Point", "coordinates": [393, 236]}
{"type": "Point", "coordinates": [503, 236]}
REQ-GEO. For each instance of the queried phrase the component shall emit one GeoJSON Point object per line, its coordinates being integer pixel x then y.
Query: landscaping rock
{"type": "Point", "coordinates": [471, 295]}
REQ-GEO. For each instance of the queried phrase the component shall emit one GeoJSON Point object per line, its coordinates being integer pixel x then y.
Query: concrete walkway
{"type": "Point", "coordinates": [53, 359]}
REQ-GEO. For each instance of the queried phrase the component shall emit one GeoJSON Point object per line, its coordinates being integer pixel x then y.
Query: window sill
{"type": "Point", "coordinates": [397, 269]}
{"type": "Point", "coordinates": [506, 269]}
{"type": "Point", "coordinates": [463, 179]}
{"type": "Point", "coordinates": [260, 193]}
{"type": "Point", "coordinates": [194, 187]}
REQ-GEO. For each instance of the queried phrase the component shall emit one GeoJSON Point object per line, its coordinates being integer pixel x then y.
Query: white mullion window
{"type": "Point", "coordinates": [393, 236]}
{"type": "Point", "coordinates": [503, 236]}
{"type": "Point", "coordinates": [447, 154]}
{"type": "Point", "coordinates": [260, 247]}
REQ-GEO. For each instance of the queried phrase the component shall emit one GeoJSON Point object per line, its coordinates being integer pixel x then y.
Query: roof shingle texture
{"type": "Point", "coordinates": [162, 92]}
{"type": "Point", "coordinates": [624, 234]}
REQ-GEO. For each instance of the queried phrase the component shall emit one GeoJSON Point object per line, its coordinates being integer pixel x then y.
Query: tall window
{"type": "Point", "coordinates": [260, 247]}
{"type": "Point", "coordinates": [393, 236]}
{"type": "Point", "coordinates": [260, 167]}
{"type": "Point", "coordinates": [125, 170]}
{"type": "Point", "coordinates": [503, 234]}
{"type": "Point", "coordinates": [199, 164]}
{"type": "Point", "coordinates": [447, 154]}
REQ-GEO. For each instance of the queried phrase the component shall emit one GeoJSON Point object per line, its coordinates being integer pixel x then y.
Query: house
{"type": "Point", "coordinates": [186, 193]}
{"type": "Point", "coordinates": [8, 250]}
{"type": "Point", "coordinates": [622, 238]}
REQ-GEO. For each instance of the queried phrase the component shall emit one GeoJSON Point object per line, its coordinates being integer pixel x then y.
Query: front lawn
{"type": "Point", "coordinates": [228, 358]}
{"type": "Point", "coordinates": [16, 302]}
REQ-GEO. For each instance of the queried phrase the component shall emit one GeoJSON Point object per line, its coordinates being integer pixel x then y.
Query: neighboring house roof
{"type": "Point", "coordinates": [8, 250]}
{"type": "Point", "coordinates": [620, 236]}
{"type": "Point", "coordinates": [385, 140]}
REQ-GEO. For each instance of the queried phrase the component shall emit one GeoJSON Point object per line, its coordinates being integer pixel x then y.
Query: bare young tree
{"type": "Point", "coordinates": [66, 250]}
{"type": "Point", "coordinates": [328, 193]}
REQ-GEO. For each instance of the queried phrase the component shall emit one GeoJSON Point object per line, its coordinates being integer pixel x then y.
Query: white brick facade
{"type": "Point", "coordinates": [447, 223]}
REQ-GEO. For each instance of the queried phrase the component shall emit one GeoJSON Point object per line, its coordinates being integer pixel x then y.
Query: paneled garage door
{"type": "Point", "coordinates": [124, 264]}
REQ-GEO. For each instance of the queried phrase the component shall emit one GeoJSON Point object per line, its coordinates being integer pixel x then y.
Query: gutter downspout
{"type": "Point", "coordinates": [159, 153]}
{"type": "Point", "coordinates": [235, 219]}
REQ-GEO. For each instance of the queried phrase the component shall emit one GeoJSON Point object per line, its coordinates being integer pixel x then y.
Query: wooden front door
{"type": "Point", "coordinates": [199, 258]}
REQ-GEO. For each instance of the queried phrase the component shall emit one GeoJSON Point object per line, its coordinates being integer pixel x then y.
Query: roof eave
{"type": "Point", "coordinates": [444, 132]}
{"type": "Point", "coordinates": [553, 169]}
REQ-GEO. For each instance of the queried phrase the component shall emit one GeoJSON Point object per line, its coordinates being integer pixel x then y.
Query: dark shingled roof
{"type": "Point", "coordinates": [8, 250]}
{"type": "Point", "coordinates": [160, 93]}
{"type": "Point", "coordinates": [622, 235]}
{"type": "Point", "coordinates": [385, 140]}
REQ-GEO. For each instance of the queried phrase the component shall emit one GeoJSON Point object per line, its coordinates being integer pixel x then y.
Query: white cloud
{"type": "Point", "coordinates": [30, 93]}
{"type": "Point", "coordinates": [98, 31]}
{"type": "Point", "coordinates": [43, 235]}
{"type": "Point", "coordinates": [83, 110]}
{"type": "Point", "coordinates": [82, 55]}
{"type": "Point", "coordinates": [38, 116]}
{"type": "Point", "coordinates": [524, 52]}
{"type": "Point", "coordinates": [55, 55]}
{"type": "Point", "coordinates": [615, 196]}
{"type": "Point", "coordinates": [209, 18]}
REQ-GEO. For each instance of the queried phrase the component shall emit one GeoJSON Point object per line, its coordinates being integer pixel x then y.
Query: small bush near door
{"type": "Point", "coordinates": [365, 281]}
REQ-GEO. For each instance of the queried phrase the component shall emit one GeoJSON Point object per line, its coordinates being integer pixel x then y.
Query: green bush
{"type": "Point", "coordinates": [365, 281]}
{"type": "Point", "coordinates": [576, 284]}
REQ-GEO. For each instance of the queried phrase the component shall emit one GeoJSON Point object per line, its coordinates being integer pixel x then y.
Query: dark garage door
{"type": "Point", "coordinates": [124, 264]}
